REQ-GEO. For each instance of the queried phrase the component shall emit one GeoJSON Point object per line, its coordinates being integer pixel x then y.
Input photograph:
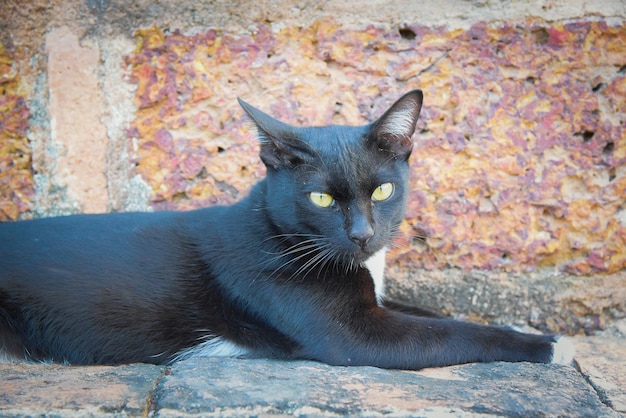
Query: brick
{"type": "Point", "coordinates": [75, 107]}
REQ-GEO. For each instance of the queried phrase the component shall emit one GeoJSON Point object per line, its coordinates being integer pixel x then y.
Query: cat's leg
{"type": "Point", "coordinates": [354, 330]}
{"type": "Point", "coordinates": [563, 348]}
{"type": "Point", "coordinates": [391, 339]}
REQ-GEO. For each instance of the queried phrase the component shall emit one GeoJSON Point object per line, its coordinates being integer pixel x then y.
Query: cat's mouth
{"type": "Point", "coordinates": [362, 255]}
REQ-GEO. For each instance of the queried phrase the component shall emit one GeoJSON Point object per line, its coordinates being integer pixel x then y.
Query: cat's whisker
{"type": "Point", "coordinates": [285, 237]}
{"type": "Point", "coordinates": [309, 246]}
{"type": "Point", "coordinates": [293, 249]}
{"type": "Point", "coordinates": [351, 265]}
{"type": "Point", "coordinates": [328, 256]}
{"type": "Point", "coordinates": [324, 258]}
{"type": "Point", "coordinates": [330, 260]}
{"type": "Point", "coordinates": [290, 235]}
{"type": "Point", "coordinates": [313, 246]}
{"type": "Point", "coordinates": [297, 246]}
{"type": "Point", "coordinates": [313, 251]}
{"type": "Point", "coordinates": [344, 264]}
{"type": "Point", "coordinates": [317, 248]}
{"type": "Point", "coordinates": [314, 262]}
{"type": "Point", "coordinates": [316, 244]}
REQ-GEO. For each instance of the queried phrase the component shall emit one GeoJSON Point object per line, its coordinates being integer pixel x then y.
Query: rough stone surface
{"type": "Point", "coordinates": [66, 391]}
{"type": "Point", "coordinates": [602, 362]}
{"type": "Point", "coordinates": [548, 300]}
{"type": "Point", "coordinates": [16, 180]}
{"type": "Point", "coordinates": [221, 387]}
{"type": "Point", "coordinates": [237, 387]}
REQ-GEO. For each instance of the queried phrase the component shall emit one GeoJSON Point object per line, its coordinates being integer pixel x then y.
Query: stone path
{"type": "Point", "coordinates": [233, 387]}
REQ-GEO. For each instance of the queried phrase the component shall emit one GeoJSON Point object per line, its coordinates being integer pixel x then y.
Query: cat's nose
{"type": "Point", "coordinates": [361, 241]}
{"type": "Point", "coordinates": [361, 233]}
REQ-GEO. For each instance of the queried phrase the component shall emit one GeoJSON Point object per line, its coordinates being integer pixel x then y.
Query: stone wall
{"type": "Point", "coordinates": [518, 206]}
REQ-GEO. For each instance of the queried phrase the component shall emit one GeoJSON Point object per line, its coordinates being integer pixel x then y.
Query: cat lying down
{"type": "Point", "coordinates": [292, 271]}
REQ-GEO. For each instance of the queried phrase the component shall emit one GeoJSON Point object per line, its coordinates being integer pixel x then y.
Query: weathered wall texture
{"type": "Point", "coordinates": [16, 178]}
{"type": "Point", "coordinates": [519, 164]}
{"type": "Point", "coordinates": [521, 156]}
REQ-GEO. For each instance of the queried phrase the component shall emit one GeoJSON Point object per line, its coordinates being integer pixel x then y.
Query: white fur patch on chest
{"type": "Point", "coordinates": [213, 347]}
{"type": "Point", "coordinates": [376, 265]}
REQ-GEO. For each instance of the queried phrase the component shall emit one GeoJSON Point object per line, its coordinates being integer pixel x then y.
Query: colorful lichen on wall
{"type": "Point", "coordinates": [526, 166]}
{"type": "Point", "coordinates": [16, 179]}
{"type": "Point", "coordinates": [520, 155]}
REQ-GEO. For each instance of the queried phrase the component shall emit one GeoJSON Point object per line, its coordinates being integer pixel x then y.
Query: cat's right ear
{"type": "Point", "coordinates": [281, 146]}
{"type": "Point", "coordinates": [393, 130]}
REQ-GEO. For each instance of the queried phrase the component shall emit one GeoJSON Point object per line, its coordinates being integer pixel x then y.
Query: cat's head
{"type": "Point", "coordinates": [338, 191]}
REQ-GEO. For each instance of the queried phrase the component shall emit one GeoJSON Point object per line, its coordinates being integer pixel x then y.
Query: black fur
{"type": "Point", "coordinates": [274, 274]}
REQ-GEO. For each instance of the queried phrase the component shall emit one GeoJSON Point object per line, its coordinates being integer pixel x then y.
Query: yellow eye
{"type": "Point", "coordinates": [321, 199]}
{"type": "Point", "coordinates": [383, 192]}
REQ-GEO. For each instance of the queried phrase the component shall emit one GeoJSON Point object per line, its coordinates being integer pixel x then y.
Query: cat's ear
{"type": "Point", "coordinates": [281, 146]}
{"type": "Point", "coordinates": [393, 130]}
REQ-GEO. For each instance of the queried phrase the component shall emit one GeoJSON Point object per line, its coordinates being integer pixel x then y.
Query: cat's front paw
{"type": "Point", "coordinates": [562, 351]}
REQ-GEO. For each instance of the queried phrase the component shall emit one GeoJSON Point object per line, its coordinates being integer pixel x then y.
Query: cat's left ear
{"type": "Point", "coordinates": [393, 130]}
{"type": "Point", "coordinates": [281, 146]}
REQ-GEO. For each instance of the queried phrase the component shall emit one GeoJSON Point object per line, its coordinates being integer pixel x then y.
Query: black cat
{"type": "Point", "coordinates": [293, 271]}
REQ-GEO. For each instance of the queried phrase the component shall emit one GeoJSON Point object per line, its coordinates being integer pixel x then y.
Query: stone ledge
{"type": "Point", "coordinates": [67, 391]}
{"type": "Point", "coordinates": [235, 387]}
{"type": "Point", "coordinates": [222, 387]}
{"type": "Point", "coordinates": [601, 361]}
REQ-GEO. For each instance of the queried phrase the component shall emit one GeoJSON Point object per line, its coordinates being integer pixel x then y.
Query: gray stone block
{"type": "Point", "coordinates": [234, 387]}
